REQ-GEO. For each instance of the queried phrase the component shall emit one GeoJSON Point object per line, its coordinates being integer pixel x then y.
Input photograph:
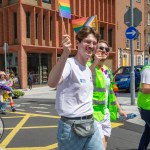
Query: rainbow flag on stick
{"type": "Point", "coordinates": [85, 22]}
{"type": "Point", "coordinates": [64, 8]}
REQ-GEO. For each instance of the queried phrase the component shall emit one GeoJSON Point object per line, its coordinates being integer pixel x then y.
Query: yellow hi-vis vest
{"type": "Point", "coordinates": [143, 99]}
{"type": "Point", "coordinates": [99, 95]}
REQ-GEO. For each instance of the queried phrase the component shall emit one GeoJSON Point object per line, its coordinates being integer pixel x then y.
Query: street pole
{"type": "Point", "coordinates": [132, 75]}
{"type": "Point", "coordinates": [5, 54]}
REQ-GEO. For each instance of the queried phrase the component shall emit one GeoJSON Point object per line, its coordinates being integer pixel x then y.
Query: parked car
{"type": "Point", "coordinates": [122, 77]}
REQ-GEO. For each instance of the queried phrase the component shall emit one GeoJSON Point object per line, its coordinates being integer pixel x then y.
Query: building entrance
{"type": "Point", "coordinates": [38, 65]}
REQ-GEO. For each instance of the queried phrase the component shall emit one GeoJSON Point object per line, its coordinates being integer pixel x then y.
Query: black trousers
{"type": "Point", "coordinates": [145, 139]}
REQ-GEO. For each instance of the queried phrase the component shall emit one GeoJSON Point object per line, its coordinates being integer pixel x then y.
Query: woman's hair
{"type": "Point", "coordinates": [84, 32]}
{"type": "Point", "coordinates": [103, 41]}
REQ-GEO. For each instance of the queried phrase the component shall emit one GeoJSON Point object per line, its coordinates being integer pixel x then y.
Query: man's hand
{"type": "Point", "coordinates": [66, 43]}
{"type": "Point", "coordinates": [100, 55]}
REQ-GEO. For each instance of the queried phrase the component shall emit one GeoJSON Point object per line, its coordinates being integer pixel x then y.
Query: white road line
{"type": "Point", "coordinates": [44, 105]}
{"type": "Point", "coordinates": [18, 105]}
{"type": "Point", "coordinates": [20, 109]}
{"type": "Point", "coordinates": [39, 107]}
{"type": "Point", "coordinates": [25, 103]}
{"type": "Point", "coordinates": [43, 112]}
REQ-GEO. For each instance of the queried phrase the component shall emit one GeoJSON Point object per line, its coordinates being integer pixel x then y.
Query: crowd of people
{"type": "Point", "coordinates": [6, 92]}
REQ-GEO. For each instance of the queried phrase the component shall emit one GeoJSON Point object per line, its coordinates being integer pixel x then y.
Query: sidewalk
{"type": "Point", "coordinates": [124, 100]}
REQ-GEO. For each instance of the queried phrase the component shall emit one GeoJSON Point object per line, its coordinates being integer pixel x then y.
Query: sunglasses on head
{"type": "Point", "coordinates": [104, 48]}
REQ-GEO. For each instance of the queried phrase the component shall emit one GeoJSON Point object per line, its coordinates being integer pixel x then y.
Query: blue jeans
{"type": "Point", "coordinates": [145, 139]}
{"type": "Point", "coordinates": [68, 140]}
{"type": "Point", "coordinates": [3, 106]}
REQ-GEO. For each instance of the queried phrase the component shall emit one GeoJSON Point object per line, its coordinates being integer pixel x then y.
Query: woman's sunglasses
{"type": "Point", "coordinates": [104, 48]}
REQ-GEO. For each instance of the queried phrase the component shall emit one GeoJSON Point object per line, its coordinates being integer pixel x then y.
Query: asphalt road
{"type": "Point", "coordinates": [34, 125]}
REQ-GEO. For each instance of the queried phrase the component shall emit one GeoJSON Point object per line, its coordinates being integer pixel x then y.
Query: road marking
{"type": "Point", "coordinates": [13, 117]}
{"type": "Point", "coordinates": [34, 127]}
{"type": "Point", "coordinates": [115, 125]}
{"type": "Point", "coordinates": [39, 107]}
{"type": "Point", "coordinates": [45, 105]}
{"type": "Point", "coordinates": [50, 147]}
{"type": "Point", "coordinates": [10, 136]}
{"type": "Point", "coordinates": [20, 109]}
{"type": "Point", "coordinates": [26, 103]}
{"type": "Point", "coordinates": [44, 112]}
{"type": "Point", "coordinates": [35, 115]}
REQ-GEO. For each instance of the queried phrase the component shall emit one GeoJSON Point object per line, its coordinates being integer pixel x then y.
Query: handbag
{"type": "Point", "coordinates": [84, 129]}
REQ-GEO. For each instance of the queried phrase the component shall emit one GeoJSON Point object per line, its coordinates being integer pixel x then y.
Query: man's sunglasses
{"type": "Point", "coordinates": [106, 48]}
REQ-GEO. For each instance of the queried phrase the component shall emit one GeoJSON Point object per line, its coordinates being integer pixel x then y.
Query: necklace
{"type": "Point", "coordinates": [104, 70]}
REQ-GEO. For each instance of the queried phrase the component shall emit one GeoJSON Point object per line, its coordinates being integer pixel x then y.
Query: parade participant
{"type": "Point", "coordinates": [73, 78]}
{"type": "Point", "coordinates": [104, 99]}
{"type": "Point", "coordinates": [144, 106]}
{"type": "Point", "coordinates": [9, 82]}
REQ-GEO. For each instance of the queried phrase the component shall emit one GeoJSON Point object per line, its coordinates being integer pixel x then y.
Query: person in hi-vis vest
{"type": "Point", "coordinates": [105, 104]}
{"type": "Point", "coordinates": [144, 106]}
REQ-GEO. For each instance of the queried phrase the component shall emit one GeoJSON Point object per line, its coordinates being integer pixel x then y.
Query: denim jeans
{"type": "Point", "coordinates": [68, 140]}
{"type": "Point", "coordinates": [145, 139]}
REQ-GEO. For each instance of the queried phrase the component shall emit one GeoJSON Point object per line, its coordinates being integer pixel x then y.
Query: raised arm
{"type": "Point", "coordinates": [55, 76]}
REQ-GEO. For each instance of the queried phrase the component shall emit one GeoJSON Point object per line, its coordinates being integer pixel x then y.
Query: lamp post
{"type": "Point", "coordinates": [5, 48]}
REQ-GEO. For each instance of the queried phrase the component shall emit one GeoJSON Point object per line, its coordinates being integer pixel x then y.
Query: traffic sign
{"type": "Point", "coordinates": [131, 33]}
{"type": "Point", "coordinates": [137, 17]}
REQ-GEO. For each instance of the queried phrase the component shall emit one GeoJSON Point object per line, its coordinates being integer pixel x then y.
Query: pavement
{"type": "Point", "coordinates": [124, 100]}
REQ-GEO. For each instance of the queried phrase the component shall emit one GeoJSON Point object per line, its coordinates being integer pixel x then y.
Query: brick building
{"type": "Point", "coordinates": [33, 31]}
{"type": "Point", "coordinates": [146, 30]}
{"type": "Point", "coordinates": [122, 43]}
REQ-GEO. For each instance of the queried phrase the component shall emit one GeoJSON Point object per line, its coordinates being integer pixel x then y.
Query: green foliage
{"type": "Point", "coordinates": [17, 93]}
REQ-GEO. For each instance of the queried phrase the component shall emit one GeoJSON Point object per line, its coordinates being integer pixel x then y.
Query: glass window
{"type": "Point", "coordinates": [110, 37]}
{"type": "Point", "coordinates": [36, 20]}
{"type": "Point", "coordinates": [15, 25]}
{"type": "Point", "coordinates": [127, 43]}
{"type": "Point", "coordinates": [139, 60]}
{"type": "Point", "coordinates": [102, 32]}
{"type": "Point", "coordinates": [148, 18]}
{"type": "Point", "coordinates": [0, 1]}
{"type": "Point", "coordinates": [50, 28]}
{"type": "Point", "coordinates": [47, 1]}
{"type": "Point", "coordinates": [148, 2]}
{"type": "Point", "coordinates": [28, 24]}
{"type": "Point", "coordinates": [148, 38]}
{"type": "Point", "coordinates": [138, 42]}
{"type": "Point", "coordinates": [44, 28]}
{"type": "Point", "coordinates": [138, 1]}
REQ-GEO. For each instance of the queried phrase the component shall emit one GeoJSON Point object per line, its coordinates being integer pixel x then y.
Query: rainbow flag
{"type": "Point", "coordinates": [78, 24]}
{"type": "Point", "coordinates": [85, 22]}
{"type": "Point", "coordinates": [64, 8]}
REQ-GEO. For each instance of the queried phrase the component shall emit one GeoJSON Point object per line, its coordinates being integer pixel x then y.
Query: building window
{"type": "Point", "coordinates": [138, 42]}
{"type": "Point", "coordinates": [127, 43]}
{"type": "Point", "coordinates": [102, 32]}
{"type": "Point", "coordinates": [15, 25]}
{"type": "Point", "coordinates": [47, 1]}
{"type": "Point", "coordinates": [138, 1]}
{"type": "Point", "coordinates": [139, 60]}
{"type": "Point", "coordinates": [110, 37]}
{"type": "Point", "coordinates": [148, 2]}
{"type": "Point", "coordinates": [43, 27]}
{"type": "Point", "coordinates": [148, 18]}
{"type": "Point", "coordinates": [28, 24]}
{"type": "Point", "coordinates": [148, 38]}
{"type": "Point", "coordinates": [50, 28]}
{"type": "Point", "coordinates": [36, 20]}
{"type": "Point", "coordinates": [0, 1]}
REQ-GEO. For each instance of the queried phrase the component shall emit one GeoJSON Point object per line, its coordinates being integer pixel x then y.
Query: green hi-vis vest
{"type": "Point", "coordinates": [143, 99]}
{"type": "Point", "coordinates": [99, 95]}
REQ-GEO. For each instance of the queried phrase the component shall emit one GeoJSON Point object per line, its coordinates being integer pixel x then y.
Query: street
{"type": "Point", "coordinates": [34, 125]}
